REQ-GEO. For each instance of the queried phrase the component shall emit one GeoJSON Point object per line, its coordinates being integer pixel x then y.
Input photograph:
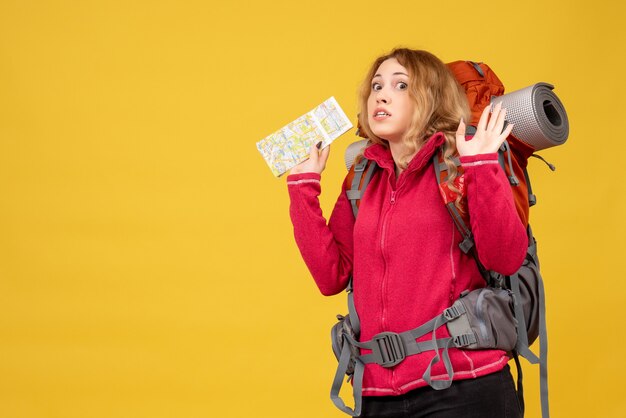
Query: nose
{"type": "Point", "coordinates": [381, 97]}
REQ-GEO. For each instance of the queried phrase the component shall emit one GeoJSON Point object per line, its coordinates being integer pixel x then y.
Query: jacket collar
{"type": "Point", "coordinates": [381, 154]}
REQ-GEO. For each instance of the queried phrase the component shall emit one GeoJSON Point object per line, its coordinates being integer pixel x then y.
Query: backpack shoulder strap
{"type": "Point", "coordinates": [468, 240]}
{"type": "Point", "coordinates": [353, 152]}
{"type": "Point", "coordinates": [361, 174]}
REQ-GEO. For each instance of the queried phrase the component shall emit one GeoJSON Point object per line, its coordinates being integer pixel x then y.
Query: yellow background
{"type": "Point", "coordinates": [147, 264]}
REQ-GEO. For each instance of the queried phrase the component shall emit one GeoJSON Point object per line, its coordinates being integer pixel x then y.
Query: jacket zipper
{"type": "Point", "coordinates": [392, 201]}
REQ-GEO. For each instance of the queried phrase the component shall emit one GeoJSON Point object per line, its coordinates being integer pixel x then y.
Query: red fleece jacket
{"type": "Point", "coordinates": [403, 254]}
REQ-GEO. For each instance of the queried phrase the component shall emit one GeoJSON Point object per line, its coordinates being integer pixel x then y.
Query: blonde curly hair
{"type": "Point", "coordinates": [440, 103]}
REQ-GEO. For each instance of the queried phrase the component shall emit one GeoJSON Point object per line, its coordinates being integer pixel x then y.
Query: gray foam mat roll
{"type": "Point", "coordinates": [538, 114]}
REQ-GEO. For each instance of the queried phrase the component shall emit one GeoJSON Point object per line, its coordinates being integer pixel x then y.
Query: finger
{"type": "Point", "coordinates": [460, 132]}
{"type": "Point", "coordinates": [500, 122]}
{"type": "Point", "coordinates": [493, 120]}
{"type": "Point", "coordinates": [314, 154]}
{"type": "Point", "coordinates": [508, 130]}
{"type": "Point", "coordinates": [324, 155]}
{"type": "Point", "coordinates": [460, 138]}
{"type": "Point", "coordinates": [497, 143]}
{"type": "Point", "coordinates": [482, 123]}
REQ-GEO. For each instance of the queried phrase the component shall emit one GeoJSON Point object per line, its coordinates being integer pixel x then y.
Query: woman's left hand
{"type": "Point", "coordinates": [489, 135]}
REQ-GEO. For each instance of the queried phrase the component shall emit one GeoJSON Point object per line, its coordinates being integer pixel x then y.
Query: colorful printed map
{"type": "Point", "coordinates": [291, 144]}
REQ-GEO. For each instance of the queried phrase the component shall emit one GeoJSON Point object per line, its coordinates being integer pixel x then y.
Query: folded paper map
{"type": "Point", "coordinates": [291, 144]}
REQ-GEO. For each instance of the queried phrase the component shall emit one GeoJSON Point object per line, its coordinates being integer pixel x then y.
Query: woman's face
{"type": "Point", "coordinates": [389, 106]}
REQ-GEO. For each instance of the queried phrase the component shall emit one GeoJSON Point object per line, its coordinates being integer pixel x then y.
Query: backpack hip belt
{"type": "Point", "coordinates": [390, 348]}
{"type": "Point", "coordinates": [470, 322]}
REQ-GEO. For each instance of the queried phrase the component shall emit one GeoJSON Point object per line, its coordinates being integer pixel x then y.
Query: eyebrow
{"type": "Point", "coordinates": [378, 75]}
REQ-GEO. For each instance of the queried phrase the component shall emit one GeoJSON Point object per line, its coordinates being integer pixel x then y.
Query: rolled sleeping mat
{"type": "Point", "coordinates": [538, 114]}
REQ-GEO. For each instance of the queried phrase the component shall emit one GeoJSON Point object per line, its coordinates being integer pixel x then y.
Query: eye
{"type": "Point", "coordinates": [402, 85]}
{"type": "Point", "coordinates": [376, 87]}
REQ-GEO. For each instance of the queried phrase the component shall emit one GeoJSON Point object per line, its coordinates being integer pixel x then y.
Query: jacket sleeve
{"type": "Point", "coordinates": [327, 250]}
{"type": "Point", "coordinates": [499, 234]}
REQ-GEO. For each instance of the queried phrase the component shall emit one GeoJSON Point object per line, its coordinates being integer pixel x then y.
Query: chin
{"type": "Point", "coordinates": [381, 133]}
{"type": "Point", "coordinates": [387, 136]}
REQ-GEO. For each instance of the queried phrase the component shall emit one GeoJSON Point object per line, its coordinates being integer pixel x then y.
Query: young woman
{"type": "Point", "coordinates": [402, 251]}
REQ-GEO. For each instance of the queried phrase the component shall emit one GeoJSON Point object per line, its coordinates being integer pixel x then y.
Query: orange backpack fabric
{"type": "Point", "coordinates": [480, 84]}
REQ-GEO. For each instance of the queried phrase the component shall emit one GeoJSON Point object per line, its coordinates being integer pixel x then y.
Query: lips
{"type": "Point", "coordinates": [381, 114]}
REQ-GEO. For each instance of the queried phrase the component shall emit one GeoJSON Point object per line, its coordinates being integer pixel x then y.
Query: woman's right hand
{"type": "Point", "coordinates": [490, 133]}
{"type": "Point", "coordinates": [316, 163]}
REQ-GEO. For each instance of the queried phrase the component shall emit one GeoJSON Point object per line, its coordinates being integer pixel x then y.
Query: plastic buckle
{"type": "Point", "coordinates": [467, 244]}
{"type": "Point", "coordinates": [453, 312]}
{"type": "Point", "coordinates": [464, 340]}
{"type": "Point", "coordinates": [388, 349]}
{"type": "Point", "coordinates": [360, 166]}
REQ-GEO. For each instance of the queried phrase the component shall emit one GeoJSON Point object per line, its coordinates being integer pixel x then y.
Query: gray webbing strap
{"type": "Point", "coordinates": [506, 148]}
{"type": "Point", "coordinates": [449, 314]}
{"type": "Point", "coordinates": [439, 384]}
{"type": "Point", "coordinates": [384, 354]}
{"type": "Point", "coordinates": [357, 382]}
{"type": "Point", "coordinates": [354, 317]}
{"type": "Point", "coordinates": [468, 241]}
{"type": "Point", "coordinates": [522, 336]}
{"type": "Point", "coordinates": [521, 345]}
{"type": "Point", "coordinates": [501, 157]}
{"type": "Point", "coordinates": [411, 347]}
{"type": "Point", "coordinates": [532, 199]}
{"type": "Point", "coordinates": [444, 166]}
{"type": "Point", "coordinates": [354, 194]}
{"type": "Point", "coordinates": [408, 338]}
{"type": "Point", "coordinates": [383, 349]}
{"type": "Point", "coordinates": [344, 361]}
{"type": "Point", "coordinates": [477, 68]}
{"type": "Point", "coordinates": [543, 353]}
{"type": "Point", "coordinates": [439, 167]}
{"type": "Point", "coordinates": [368, 176]}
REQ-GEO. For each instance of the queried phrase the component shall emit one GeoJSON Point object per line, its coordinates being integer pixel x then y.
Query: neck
{"type": "Point", "coordinates": [398, 150]}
